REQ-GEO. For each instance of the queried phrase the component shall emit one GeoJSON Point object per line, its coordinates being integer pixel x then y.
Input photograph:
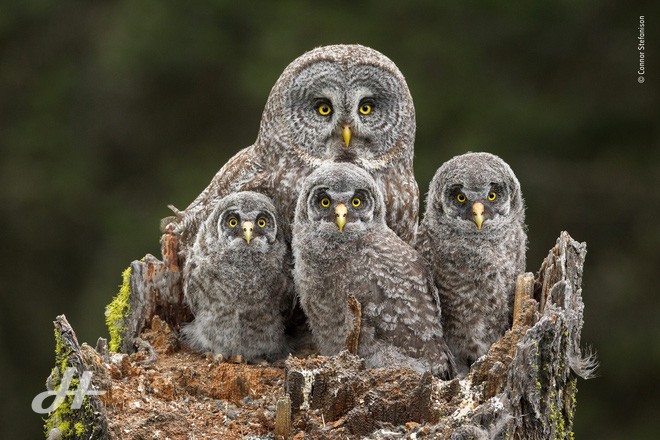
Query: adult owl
{"type": "Point", "coordinates": [473, 234]}
{"type": "Point", "coordinates": [345, 103]}
{"type": "Point", "coordinates": [236, 280]}
{"type": "Point", "coordinates": [342, 246]}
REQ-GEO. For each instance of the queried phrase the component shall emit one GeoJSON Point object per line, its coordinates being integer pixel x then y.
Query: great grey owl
{"type": "Point", "coordinates": [345, 103]}
{"type": "Point", "coordinates": [473, 234]}
{"type": "Point", "coordinates": [236, 280]}
{"type": "Point", "coordinates": [342, 246]}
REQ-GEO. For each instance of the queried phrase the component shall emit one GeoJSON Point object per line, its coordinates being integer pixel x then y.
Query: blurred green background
{"type": "Point", "coordinates": [111, 110]}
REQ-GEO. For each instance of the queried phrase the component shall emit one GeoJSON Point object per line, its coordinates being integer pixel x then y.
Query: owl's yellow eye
{"type": "Point", "coordinates": [325, 202]}
{"type": "Point", "coordinates": [365, 109]}
{"type": "Point", "coordinates": [324, 109]}
{"type": "Point", "coordinates": [492, 196]}
{"type": "Point", "coordinates": [461, 198]}
{"type": "Point", "coordinates": [232, 222]}
{"type": "Point", "coordinates": [262, 222]}
{"type": "Point", "coordinates": [356, 202]}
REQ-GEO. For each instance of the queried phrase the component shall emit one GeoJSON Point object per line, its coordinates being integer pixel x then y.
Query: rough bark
{"type": "Point", "coordinates": [156, 289]}
{"type": "Point", "coordinates": [523, 388]}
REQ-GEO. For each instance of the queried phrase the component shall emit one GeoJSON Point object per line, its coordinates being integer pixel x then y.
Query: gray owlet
{"type": "Point", "coordinates": [236, 280]}
{"type": "Point", "coordinates": [345, 103]}
{"type": "Point", "coordinates": [342, 246]}
{"type": "Point", "coordinates": [473, 235]}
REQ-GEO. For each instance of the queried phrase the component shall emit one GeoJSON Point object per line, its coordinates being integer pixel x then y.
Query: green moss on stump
{"type": "Point", "coordinates": [60, 417]}
{"type": "Point", "coordinates": [79, 428]}
{"type": "Point", "coordinates": [117, 311]}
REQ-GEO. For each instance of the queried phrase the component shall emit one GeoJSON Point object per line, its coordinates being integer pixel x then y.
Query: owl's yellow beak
{"type": "Point", "coordinates": [478, 212]}
{"type": "Point", "coordinates": [248, 227]}
{"type": "Point", "coordinates": [341, 211]}
{"type": "Point", "coordinates": [346, 134]}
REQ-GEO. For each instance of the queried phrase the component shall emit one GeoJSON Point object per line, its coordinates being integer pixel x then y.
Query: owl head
{"type": "Point", "coordinates": [340, 200]}
{"type": "Point", "coordinates": [344, 103]}
{"type": "Point", "coordinates": [475, 192]}
{"type": "Point", "coordinates": [244, 221]}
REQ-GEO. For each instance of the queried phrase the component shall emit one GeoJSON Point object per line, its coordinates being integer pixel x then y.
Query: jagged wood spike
{"type": "Point", "coordinates": [353, 337]}
{"type": "Point", "coordinates": [524, 291]}
{"type": "Point", "coordinates": [283, 418]}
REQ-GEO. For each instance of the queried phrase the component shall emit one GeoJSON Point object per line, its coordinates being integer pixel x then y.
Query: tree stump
{"type": "Point", "coordinates": [155, 289]}
{"type": "Point", "coordinates": [523, 388]}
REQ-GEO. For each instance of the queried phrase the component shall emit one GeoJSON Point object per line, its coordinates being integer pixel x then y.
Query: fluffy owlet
{"type": "Point", "coordinates": [473, 235]}
{"type": "Point", "coordinates": [345, 103]}
{"type": "Point", "coordinates": [236, 280]}
{"type": "Point", "coordinates": [342, 246]}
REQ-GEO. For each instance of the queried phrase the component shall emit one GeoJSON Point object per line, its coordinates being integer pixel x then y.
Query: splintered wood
{"type": "Point", "coordinates": [283, 418]}
{"type": "Point", "coordinates": [353, 336]}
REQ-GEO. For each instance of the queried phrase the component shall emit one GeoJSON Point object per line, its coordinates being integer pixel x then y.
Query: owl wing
{"type": "Point", "coordinates": [238, 172]}
{"type": "Point", "coordinates": [243, 172]}
{"type": "Point", "coordinates": [407, 302]}
{"type": "Point", "coordinates": [195, 280]}
{"type": "Point", "coordinates": [401, 195]}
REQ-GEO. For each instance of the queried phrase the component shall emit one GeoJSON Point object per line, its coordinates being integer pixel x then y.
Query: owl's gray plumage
{"type": "Point", "coordinates": [295, 138]}
{"type": "Point", "coordinates": [474, 268]}
{"type": "Point", "coordinates": [236, 280]}
{"type": "Point", "coordinates": [400, 311]}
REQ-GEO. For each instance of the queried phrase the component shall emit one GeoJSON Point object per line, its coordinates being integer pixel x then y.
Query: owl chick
{"type": "Point", "coordinates": [342, 246]}
{"type": "Point", "coordinates": [236, 280]}
{"type": "Point", "coordinates": [473, 235]}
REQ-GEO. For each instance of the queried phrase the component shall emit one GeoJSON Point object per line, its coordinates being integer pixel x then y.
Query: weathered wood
{"type": "Point", "coordinates": [353, 337]}
{"type": "Point", "coordinates": [283, 418]}
{"type": "Point", "coordinates": [524, 291]}
{"type": "Point", "coordinates": [155, 289]}
{"type": "Point", "coordinates": [340, 389]}
{"type": "Point", "coordinates": [523, 388]}
{"type": "Point", "coordinates": [66, 421]}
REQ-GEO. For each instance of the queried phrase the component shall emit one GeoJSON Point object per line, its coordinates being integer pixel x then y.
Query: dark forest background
{"type": "Point", "coordinates": [109, 111]}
